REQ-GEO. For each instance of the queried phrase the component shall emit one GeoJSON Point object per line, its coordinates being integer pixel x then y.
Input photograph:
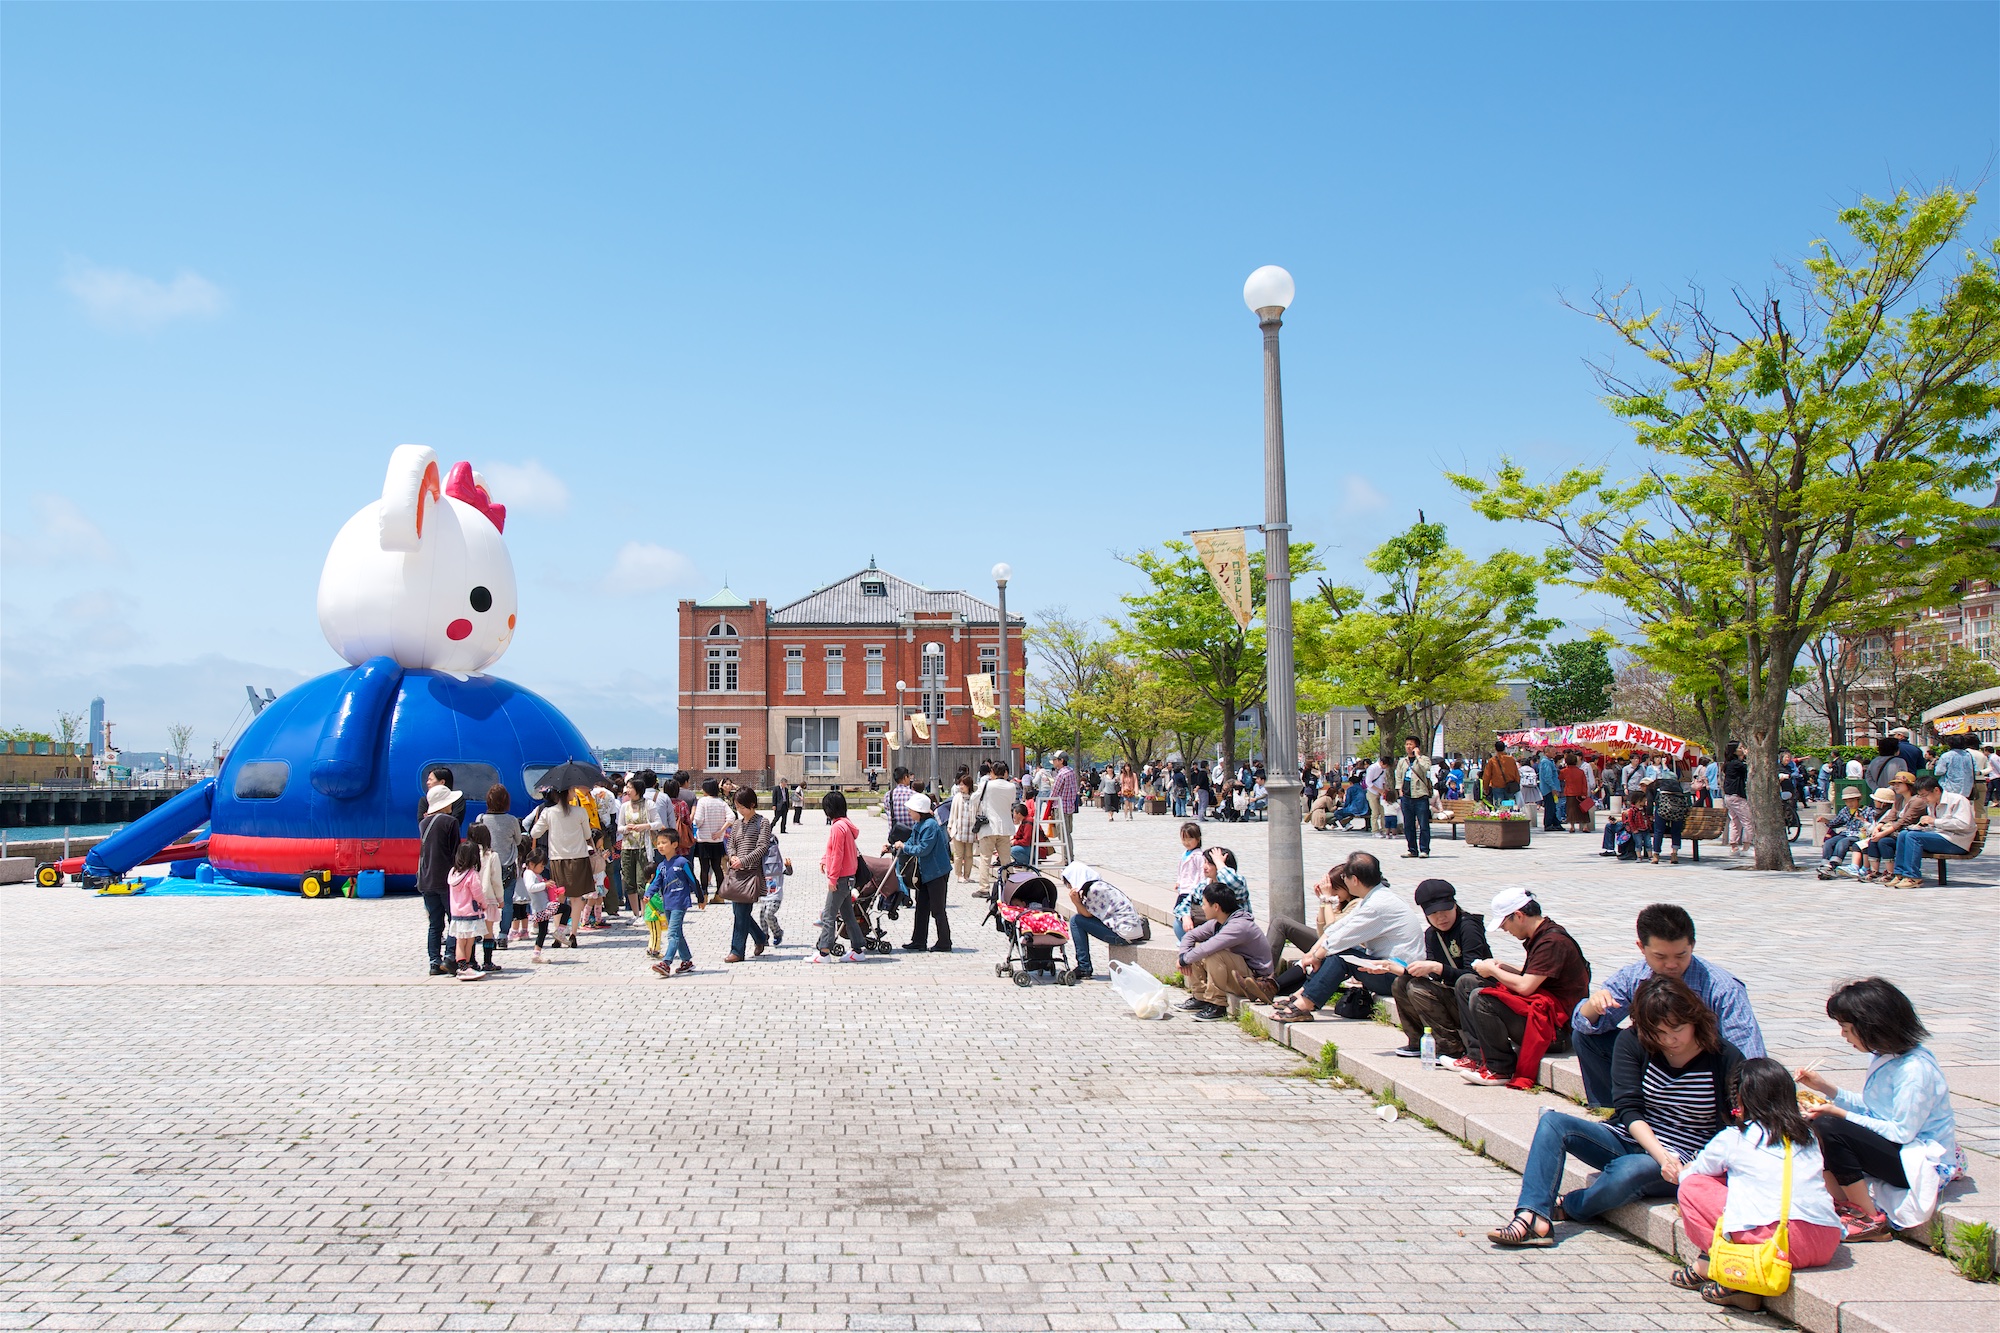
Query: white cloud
{"type": "Point", "coordinates": [1359, 496]}
{"type": "Point", "coordinates": [644, 567]}
{"type": "Point", "coordinates": [63, 534]}
{"type": "Point", "coordinates": [528, 486]}
{"type": "Point", "coordinates": [115, 298]}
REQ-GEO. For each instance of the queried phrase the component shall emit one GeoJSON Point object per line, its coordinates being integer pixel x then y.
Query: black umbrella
{"type": "Point", "coordinates": [575, 773]}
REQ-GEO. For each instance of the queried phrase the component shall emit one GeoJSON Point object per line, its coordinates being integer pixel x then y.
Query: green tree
{"type": "Point", "coordinates": [1945, 672]}
{"type": "Point", "coordinates": [1440, 633]}
{"type": "Point", "coordinates": [1126, 704]}
{"type": "Point", "coordinates": [1802, 455]}
{"type": "Point", "coordinates": [1571, 682]}
{"type": "Point", "coordinates": [1071, 654]}
{"type": "Point", "coordinates": [1180, 628]}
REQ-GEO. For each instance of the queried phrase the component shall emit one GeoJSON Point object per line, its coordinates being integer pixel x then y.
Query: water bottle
{"type": "Point", "coordinates": [1427, 1051]}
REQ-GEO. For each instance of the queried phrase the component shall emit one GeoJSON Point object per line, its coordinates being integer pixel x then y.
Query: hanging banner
{"type": "Point", "coordinates": [980, 689]}
{"type": "Point", "coordinates": [1614, 737]}
{"type": "Point", "coordinates": [920, 727]}
{"type": "Point", "coordinates": [1222, 550]}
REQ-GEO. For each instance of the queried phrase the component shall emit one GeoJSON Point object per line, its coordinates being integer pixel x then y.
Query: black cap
{"type": "Point", "coordinates": [1434, 895]}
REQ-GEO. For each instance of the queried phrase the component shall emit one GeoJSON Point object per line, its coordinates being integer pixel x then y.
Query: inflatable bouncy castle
{"type": "Point", "coordinates": [417, 596]}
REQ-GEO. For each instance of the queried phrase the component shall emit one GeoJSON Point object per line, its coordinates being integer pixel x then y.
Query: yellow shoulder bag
{"type": "Point", "coordinates": [1762, 1269]}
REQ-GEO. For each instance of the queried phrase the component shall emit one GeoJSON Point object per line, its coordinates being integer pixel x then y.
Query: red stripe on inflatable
{"type": "Point", "coordinates": [295, 856]}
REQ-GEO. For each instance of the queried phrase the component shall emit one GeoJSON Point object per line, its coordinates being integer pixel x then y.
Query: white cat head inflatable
{"type": "Point", "coordinates": [421, 575]}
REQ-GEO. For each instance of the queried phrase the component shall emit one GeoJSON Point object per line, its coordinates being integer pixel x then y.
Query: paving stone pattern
{"type": "Point", "coordinates": [1789, 937]}
{"type": "Point", "coordinates": [259, 1114]}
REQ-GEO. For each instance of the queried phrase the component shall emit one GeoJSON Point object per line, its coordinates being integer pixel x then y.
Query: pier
{"type": "Point", "coordinates": [36, 806]}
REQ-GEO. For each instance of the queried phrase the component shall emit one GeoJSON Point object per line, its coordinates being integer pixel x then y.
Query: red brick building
{"type": "Point", "coordinates": [808, 691]}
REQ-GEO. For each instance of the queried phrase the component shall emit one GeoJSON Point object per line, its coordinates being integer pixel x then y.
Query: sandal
{"type": "Point", "coordinates": [1286, 1013]}
{"type": "Point", "coordinates": [1521, 1234]}
{"type": "Point", "coordinates": [1717, 1294]}
{"type": "Point", "coordinates": [1687, 1279]}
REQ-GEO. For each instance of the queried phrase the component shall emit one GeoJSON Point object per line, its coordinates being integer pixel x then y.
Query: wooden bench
{"type": "Point", "coordinates": [1455, 813]}
{"type": "Point", "coordinates": [1705, 822]}
{"type": "Point", "coordinates": [1978, 846]}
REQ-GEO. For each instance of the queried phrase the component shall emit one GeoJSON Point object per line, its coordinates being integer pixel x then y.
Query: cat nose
{"type": "Point", "coordinates": [510, 622]}
{"type": "Point", "coordinates": [458, 629]}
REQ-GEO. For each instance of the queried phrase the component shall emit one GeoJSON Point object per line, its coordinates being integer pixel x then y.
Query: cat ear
{"type": "Point", "coordinates": [412, 479]}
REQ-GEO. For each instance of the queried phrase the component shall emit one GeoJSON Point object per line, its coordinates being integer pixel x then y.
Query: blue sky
{"type": "Point", "coordinates": [763, 291]}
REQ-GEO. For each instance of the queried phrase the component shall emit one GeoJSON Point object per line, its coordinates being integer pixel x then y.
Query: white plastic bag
{"type": "Point", "coordinates": [1141, 989]}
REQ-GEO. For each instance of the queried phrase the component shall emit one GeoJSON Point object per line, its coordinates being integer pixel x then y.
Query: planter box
{"type": "Point", "coordinates": [1156, 805]}
{"type": "Point", "coordinates": [1496, 832]}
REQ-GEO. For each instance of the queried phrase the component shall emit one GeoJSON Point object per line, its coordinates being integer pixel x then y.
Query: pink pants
{"type": "Point", "coordinates": [1811, 1244]}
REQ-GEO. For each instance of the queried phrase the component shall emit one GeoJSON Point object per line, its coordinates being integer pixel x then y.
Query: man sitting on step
{"type": "Point", "coordinates": [1223, 956]}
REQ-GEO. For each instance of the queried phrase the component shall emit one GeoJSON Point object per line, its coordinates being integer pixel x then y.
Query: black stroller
{"type": "Point", "coordinates": [881, 889]}
{"type": "Point", "coordinates": [1024, 890]}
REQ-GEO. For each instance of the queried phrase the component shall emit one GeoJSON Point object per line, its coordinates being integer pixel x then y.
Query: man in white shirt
{"type": "Point", "coordinates": [1947, 827]}
{"type": "Point", "coordinates": [996, 798]}
{"type": "Point", "coordinates": [1377, 782]}
{"type": "Point", "coordinates": [711, 817]}
{"type": "Point", "coordinates": [1380, 923]}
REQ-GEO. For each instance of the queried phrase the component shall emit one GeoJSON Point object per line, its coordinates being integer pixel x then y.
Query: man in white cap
{"type": "Point", "coordinates": [437, 844]}
{"type": "Point", "coordinates": [1504, 1032]}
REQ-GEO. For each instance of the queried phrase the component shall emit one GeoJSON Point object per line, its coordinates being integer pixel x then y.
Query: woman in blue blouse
{"type": "Point", "coordinates": [1896, 1141]}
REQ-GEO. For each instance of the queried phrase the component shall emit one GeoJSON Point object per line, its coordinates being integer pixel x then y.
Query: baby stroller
{"type": "Point", "coordinates": [879, 893]}
{"type": "Point", "coordinates": [1024, 908]}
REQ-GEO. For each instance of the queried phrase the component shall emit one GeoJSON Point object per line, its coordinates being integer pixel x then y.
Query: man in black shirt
{"type": "Point", "coordinates": [437, 844]}
{"type": "Point", "coordinates": [1424, 991]}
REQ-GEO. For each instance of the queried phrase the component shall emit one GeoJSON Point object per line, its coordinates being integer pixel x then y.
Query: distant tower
{"type": "Point", "coordinates": [96, 736]}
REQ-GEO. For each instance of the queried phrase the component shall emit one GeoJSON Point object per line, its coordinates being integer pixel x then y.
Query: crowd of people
{"type": "Point", "coordinates": [1669, 1043]}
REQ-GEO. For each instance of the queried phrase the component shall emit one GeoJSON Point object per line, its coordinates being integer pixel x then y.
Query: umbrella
{"type": "Point", "coordinates": [575, 773]}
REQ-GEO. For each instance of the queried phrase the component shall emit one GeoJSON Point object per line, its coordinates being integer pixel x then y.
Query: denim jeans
{"type": "Point", "coordinates": [1084, 929]}
{"type": "Point", "coordinates": [1593, 1056]}
{"type": "Point", "coordinates": [1331, 975]}
{"type": "Point", "coordinates": [1417, 822]}
{"type": "Point", "coordinates": [1663, 832]}
{"type": "Point", "coordinates": [745, 928]}
{"type": "Point", "coordinates": [677, 945]}
{"type": "Point", "coordinates": [1837, 847]}
{"type": "Point", "coordinates": [1180, 805]}
{"type": "Point", "coordinates": [1624, 1173]}
{"type": "Point", "coordinates": [434, 907]}
{"type": "Point", "coordinates": [1912, 845]}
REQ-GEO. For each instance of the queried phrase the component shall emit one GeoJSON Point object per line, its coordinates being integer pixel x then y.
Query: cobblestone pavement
{"type": "Point", "coordinates": [1789, 937]}
{"type": "Point", "coordinates": [258, 1114]}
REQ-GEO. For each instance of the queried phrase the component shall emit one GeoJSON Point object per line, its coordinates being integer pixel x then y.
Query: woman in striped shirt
{"type": "Point", "coordinates": [1670, 1076]}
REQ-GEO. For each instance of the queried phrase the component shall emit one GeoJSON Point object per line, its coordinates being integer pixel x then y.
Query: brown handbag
{"type": "Point", "coordinates": [742, 886]}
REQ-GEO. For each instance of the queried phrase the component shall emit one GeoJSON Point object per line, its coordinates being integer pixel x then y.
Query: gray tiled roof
{"type": "Point", "coordinates": [843, 603]}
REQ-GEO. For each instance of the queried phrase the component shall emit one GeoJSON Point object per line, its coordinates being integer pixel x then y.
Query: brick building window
{"type": "Point", "coordinates": [873, 683]}
{"type": "Point", "coordinates": [795, 671]}
{"type": "Point", "coordinates": [818, 740]}
{"type": "Point", "coordinates": [721, 749]}
{"type": "Point", "coordinates": [871, 735]}
{"type": "Point", "coordinates": [836, 670]}
{"type": "Point", "coordinates": [724, 660]}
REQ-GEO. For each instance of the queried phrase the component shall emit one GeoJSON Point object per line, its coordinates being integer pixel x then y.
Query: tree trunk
{"type": "Point", "coordinates": [1763, 718]}
{"type": "Point", "coordinates": [1229, 734]}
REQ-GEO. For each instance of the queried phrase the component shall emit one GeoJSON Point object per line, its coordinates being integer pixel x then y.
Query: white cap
{"type": "Point", "coordinates": [920, 804]}
{"type": "Point", "coordinates": [1507, 902]}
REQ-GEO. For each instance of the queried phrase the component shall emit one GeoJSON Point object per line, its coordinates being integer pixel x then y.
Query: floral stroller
{"type": "Point", "coordinates": [1024, 906]}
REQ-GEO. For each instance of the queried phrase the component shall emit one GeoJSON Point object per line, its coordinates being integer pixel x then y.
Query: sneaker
{"type": "Point", "coordinates": [1485, 1078]}
{"type": "Point", "coordinates": [685, 968]}
{"type": "Point", "coordinates": [489, 966]}
{"type": "Point", "coordinates": [1465, 1062]}
{"type": "Point", "coordinates": [1190, 1004]}
{"type": "Point", "coordinates": [1212, 1013]}
{"type": "Point", "coordinates": [537, 955]}
{"type": "Point", "coordinates": [1080, 974]}
{"type": "Point", "coordinates": [852, 957]}
{"type": "Point", "coordinates": [1407, 1052]}
{"type": "Point", "coordinates": [438, 970]}
{"type": "Point", "coordinates": [777, 938]}
{"type": "Point", "coordinates": [821, 958]}
{"type": "Point", "coordinates": [471, 973]}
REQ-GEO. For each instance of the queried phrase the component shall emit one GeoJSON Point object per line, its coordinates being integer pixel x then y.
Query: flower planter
{"type": "Point", "coordinates": [1496, 832]}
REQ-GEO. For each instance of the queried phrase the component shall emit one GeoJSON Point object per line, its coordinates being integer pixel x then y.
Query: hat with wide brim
{"type": "Point", "coordinates": [1884, 795]}
{"type": "Point", "coordinates": [441, 798]}
{"type": "Point", "coordinates": [1852, 793]}
{"type": "Point", "coordinates": [920, 804]}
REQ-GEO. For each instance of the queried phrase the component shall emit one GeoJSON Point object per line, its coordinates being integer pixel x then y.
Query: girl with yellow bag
{"type": "Point", "coordinates": [1755, 1199]}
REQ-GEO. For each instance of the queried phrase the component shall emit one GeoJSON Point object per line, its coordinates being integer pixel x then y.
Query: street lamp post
{"type": "Point", "coordinates": [902, 731]}
{"type": "Point", "coordinates": [1001, 573]}
{"type": "Point", "coordinates": [1268, 293]}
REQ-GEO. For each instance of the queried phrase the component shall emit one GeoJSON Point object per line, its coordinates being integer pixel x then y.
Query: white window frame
{"type": "Point", "coordinates": [930, 663]}
{"type": "Point", "coordinates": [810, 739]}
{"type": "Point", "coordinates": [723, 749]}
{"type": "Point", "coordinates": [836, 669]}
{"type": "Point", "coordinates": [873, 743]}
{"type": "Point", "coordinates": [872, 681]}
{"type": "Point", "coordinates": [795, 671]}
